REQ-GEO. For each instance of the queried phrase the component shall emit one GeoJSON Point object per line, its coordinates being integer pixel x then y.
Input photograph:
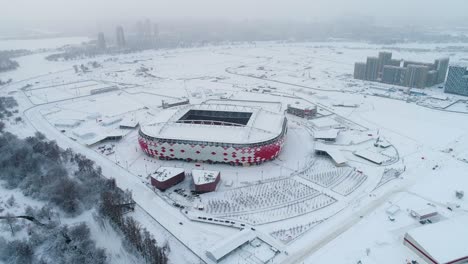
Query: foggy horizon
{"type": "Point", "coordinates": [91, 13]}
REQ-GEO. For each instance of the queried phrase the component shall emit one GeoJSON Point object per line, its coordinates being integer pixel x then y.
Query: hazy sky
{"type": "Point", "coordinates": [94, 10]}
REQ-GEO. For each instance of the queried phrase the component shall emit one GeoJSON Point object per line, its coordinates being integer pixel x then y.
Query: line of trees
{"type": "Point", "coordinates": [114, 204]}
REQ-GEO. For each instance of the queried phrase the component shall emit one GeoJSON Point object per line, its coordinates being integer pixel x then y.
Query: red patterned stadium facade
{"type": "Point", "coordinates": [212, 152]}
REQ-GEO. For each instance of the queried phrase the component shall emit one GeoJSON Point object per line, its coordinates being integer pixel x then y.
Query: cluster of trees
{"type": "Point", "coordinates": [2, 82]}
{"type": "Point", "coordinates": [6, 64]}
{"type": "Point", "coordinates": [42, 170]}
{"type": "Point", "coordinates": [63, 243]}
{"type": "Point", "coordinates": [82, 68]}
{"type": "Point", "coordinates": [114, 204]}
{"type": "Point", "coordinates": [39, 168]}
{"type": "Point", "coordinates": [86, 50]}
{"type": "Point", "coordinates": [6, 106]}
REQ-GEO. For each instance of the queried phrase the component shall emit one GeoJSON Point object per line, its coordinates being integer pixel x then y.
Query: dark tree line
{"type": "Point", "coordinates": [114, 204]}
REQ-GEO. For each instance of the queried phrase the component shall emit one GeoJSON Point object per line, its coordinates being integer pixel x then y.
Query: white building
{"type": "Point", "coordinates": [445, 242]}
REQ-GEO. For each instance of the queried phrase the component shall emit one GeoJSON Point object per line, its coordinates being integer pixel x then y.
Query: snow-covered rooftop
{"type": "Point", "coordinates": [324, 122]}
{"type": "Point", "coordinates": [67, 123]}
{"type": "Point", "coordinates": [228, 245]}
{"type": "Point", "coordinates": [371, 156]}
{"type": "Point", "coordinates": [165, 173]}
{"type": "Point", "coordinates": [302, 106]}
{"type": "Point", "coordinates": [204, 176]}
{"type": "Point", "coordinates": [262, 126]}
{"type": "Point", "coordinates": [444, 241]}
{"type": "Point", "coordinates": [326, 134]}
{"type": "Point", "coordinates": [129, 122]}
{"type": "Point", "coordinates": [335, 154]}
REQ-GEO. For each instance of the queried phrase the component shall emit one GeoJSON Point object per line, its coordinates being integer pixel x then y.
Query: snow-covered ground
{"type": "Point", "coordinates": [305, 203]}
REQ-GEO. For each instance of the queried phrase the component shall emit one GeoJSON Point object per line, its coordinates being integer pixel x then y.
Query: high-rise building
{"type": "Point", "coordinates": [394, 62]}
{"type": "Point", "coordinates": [360, 70]}
{"type": "Point", "coordinates": [156, 31]}
{"type": "Point", "coordinates": [372, 68]}
{"type": "Point", "coordinates": [441, 66]}
{"type": "Point", "coordinates": [101, 41]}
{"type": "Point", "coordinates": [147, 29]}
{"type": "Point", "coordinates": [120, 37]}
{"type": "Point", "coordinates": [431, 79]}
{"type": "Point", "coordinates": [393, 74]}
{"type": "Point", "coordinates": [405, 73]}
{"type": "Point", "coordinates": [384, 59]}
{"type": "Point", "coordinates": [430, 66]}
{"type": "Point", "coordinates": [416, 76]}
{"type": "Point", "coordinates": [457, 80]}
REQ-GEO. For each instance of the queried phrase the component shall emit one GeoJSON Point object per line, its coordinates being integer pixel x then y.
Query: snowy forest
{"type": "Point", "coordinates": [69, 184]}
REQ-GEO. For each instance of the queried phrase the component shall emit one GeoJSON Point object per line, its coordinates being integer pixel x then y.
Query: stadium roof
{"type": "Point", "coordinates": [262, 126]}
{"type": "Point", "coordinates": [442, 242]}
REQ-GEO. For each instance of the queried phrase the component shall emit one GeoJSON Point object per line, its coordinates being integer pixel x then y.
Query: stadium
{"type": "Point", "coordinates": [215, 133]}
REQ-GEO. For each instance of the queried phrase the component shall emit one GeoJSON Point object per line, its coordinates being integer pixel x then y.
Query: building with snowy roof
{"type": "Point", "coordinates": [335, 154]}
{"type": "Point", "coordinates": [205, 180]}
{"type": "Point", "coordinates": [166, 177]}
{"type": "Point", "coordinates": [326, 135]}
{"type": "Point", "coordinates": [445, 242]}
{"type": "Point", "coordinates": [129, 123]}
{"type": "Point", "coordinates": [325, 123]}
{"type": "Point", "coordinates": [374, 157]}
{"type": "Point", "coordinates": [67, 123]}
{"type": "Point", "coordinates": [110, 121]}
{"type": "Point", "coordinates": [215, 133]}
{"type": "Point", "coordinates": [302, 110]}
{"type": "Point", "coordinates": [221, 250]}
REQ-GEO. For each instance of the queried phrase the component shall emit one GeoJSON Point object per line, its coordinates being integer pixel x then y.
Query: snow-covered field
{"type": "Point", "coordinates": [310, 208]}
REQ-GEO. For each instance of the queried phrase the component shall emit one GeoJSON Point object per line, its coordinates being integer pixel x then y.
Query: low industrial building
{"type": "Point", "coordinates": [371, 156]}
{"type": "Point", "coordinates": [103, 90]}
{"type": "Point", "coordinates": [205, 180]}
{"type": "Point", "coordinates": [445, 242]}
{"type": "Point", "coordinates": [129, 123]}
{"type": "Point", "coordinates": [301, 110]}
{"type": "Point", "coordinates": [173, 103]}
{"type": "Point", "coordinates": [110, 121]}
{"type": "Point", "coordinates": [334, 154]}
{"type": "Point", "coordinates": [67, 123]}
{"type": "Point", "coordinates": [166, 177]}
{"type": "Point", "coordinates": [424, 213]}
{"type": "Point", "coordinates": [324, 123]}
{"type": "Point", "coordinates": [220, 250]}
{"type": "Point", "coordinates": [326, 135]}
